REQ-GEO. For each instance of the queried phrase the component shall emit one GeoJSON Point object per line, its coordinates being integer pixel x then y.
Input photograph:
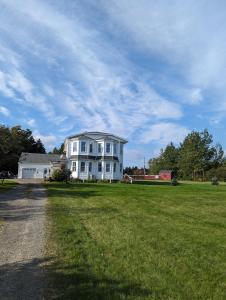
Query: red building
{"type": "Point", "coordinates": [166, 174]}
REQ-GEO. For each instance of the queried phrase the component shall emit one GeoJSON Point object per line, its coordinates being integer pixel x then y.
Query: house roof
{"type": "Point", "coordinates": [96, 135]}
{"type": "Point", "coordinates": [39, 158]}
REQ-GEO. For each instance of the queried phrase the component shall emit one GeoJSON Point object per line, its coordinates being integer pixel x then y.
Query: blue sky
{"type": "Point", "coordinates": [150, 71]}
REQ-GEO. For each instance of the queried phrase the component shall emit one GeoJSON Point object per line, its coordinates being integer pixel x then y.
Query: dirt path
{"type": "Point", "coordinates": [22, 242]}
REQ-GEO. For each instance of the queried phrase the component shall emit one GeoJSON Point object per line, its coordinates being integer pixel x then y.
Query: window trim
{"type": "Point", "coordinates": [83, 143]}
{"type": "Point", "coordinates": [81, 169]}
{"type": "Point", "coordinates": [74, 166]}
{"type": "Point", "coordinates": [106, 169]}
{"type": "Point", "coordinates": [99, 169]}
{"type": "Point", "coordinates": [74, 146]}
{"type": "Point", "coordinates": [100, 148]}
{"type": "Point", "coordinates": [107, 147]}
{"type": "Point", "coordinates": [115, 148]}
{"type": "Point", "coordinates": [90, 147]}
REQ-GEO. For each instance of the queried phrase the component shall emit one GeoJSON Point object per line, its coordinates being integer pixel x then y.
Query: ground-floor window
{"type": "Point", "coordinates": [90, 166]}
{"type": "Point", "coordinates": [107, 167]}
{"type": "Point", "coordinates": [99, 167]}
{"type": "Point", "coordinates": [73, 166]}
{"type": "Point", "coordinates": [82, 166]}
{"type": "Point", "coordinates": [120, 167]}
{"type": "Point", "coordinates": [114, 167]}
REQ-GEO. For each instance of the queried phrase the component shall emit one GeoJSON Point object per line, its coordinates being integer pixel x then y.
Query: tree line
{"type": "Point", "coordinates": [14, 141]}
{"type": "Point", "coordinates": [196, 158]}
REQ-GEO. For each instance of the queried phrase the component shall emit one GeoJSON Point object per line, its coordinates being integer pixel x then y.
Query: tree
{"type": "Point", "coordinates": [197, 154]}
{"type": "Point", "coordinates": [168, 159]}
{"type": "Point", "coordinates": [59, 150]}
{"type": "Point", "coordinates": [14, 141]}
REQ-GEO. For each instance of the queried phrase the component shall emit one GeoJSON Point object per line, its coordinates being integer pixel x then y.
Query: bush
{"type": "Point", "coordinates": [103, 180]}
{"type": "Point", "coordinates": [214, 181]}
{"type": "Point", "coordinates": [76, 180]}
{"type": "Point", "coordinates": [61, 175]}
{"type": "Point", "coordinates": [174, 181]}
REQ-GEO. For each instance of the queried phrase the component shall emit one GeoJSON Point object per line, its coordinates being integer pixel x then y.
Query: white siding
{"type": "Point", "coordinates": [39, 169]}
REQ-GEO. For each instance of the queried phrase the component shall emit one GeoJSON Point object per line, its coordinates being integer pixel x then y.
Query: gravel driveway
{"type": "Point", "coordinates": [22, 242]}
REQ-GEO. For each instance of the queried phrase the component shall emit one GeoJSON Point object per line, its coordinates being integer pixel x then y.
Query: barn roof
{"type": "Point", "coordinates": [39, 158]}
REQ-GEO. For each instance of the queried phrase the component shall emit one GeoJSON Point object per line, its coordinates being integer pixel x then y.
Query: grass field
{"type": "Point", "coordinates": [117, 241]}
{"type": "Point", "coordinates": [8, 184]}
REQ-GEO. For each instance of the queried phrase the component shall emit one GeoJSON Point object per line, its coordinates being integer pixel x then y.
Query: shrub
{"type": "Point", "coordinates": [61, 175]}
{"type": "Point", "coordinates": [103, 180]}
{"type": "Point", "coordinates": [174, 181]}
{"type": "Point", "coordinates": [214, 181]}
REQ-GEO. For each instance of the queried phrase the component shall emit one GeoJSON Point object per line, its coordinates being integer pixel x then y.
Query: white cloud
{"type": "Point", "coordinates": [109, 95]}
{"type": "Point", "coordinates": [164, 133]}
{"type": "Point", "coordinates": [4, 111]}
{"type": "Point", "coordinates": [31, 122]}
{"type": "Point", "coordinates": [48, 140]}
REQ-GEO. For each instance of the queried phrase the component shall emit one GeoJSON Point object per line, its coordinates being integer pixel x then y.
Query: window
{"type": "Point", "coordinates": [108, 147]}
{"type": "Point", "coordinates": [121, 168]}
{"type": "Point", "coordinates": [121, 148]}
{"type": "Point", "coordinates": [82, 166]}
{"type": "Point", "coordinates": [99, 167]}
{"type": "Point", "coordinates": [114, 167]}
{"type": "Point", "coordinates": [73, 166]}
{"type": "Point", "coordinates": [107, 167]}
{"type": "Point", "coordinates": [90, 166]}
{"type": "Point", "coordinates": [91, 148]}
{"type": "Point", "coordinates": [83, 146]}
{"type": "Point", "coordinates": [74, 146]}
{"type": "Point", "coordinates": [115, 148]}
{"type": "Point", "coordinates": [99, 148]}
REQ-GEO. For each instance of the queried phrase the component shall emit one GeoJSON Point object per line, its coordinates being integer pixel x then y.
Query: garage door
{"type": "Point", "coordinates": [28, 172]}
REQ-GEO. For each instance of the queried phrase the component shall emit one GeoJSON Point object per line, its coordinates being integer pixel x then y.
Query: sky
{"type": "Point", "coordinates": [149, 71]}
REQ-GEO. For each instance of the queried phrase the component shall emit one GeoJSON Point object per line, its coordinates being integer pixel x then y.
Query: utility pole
{"type": "Point", "coordinates": [144, 167]}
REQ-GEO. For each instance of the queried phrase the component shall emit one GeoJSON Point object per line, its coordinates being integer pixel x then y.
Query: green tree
{"type": "Point", "coordinates": [14, 141]}
{"type": "Point", "coordinates": [168, 159]}
{"type": "Point", "coordinates": [59, 150]}
{"type": "Point", "coordinates": [197, 155]}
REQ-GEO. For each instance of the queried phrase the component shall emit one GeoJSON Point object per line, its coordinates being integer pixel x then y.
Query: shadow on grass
{"type": "Point", "coordinates": [145, 182]}
{"type": "Point", "coordinates": [79, 282]}
{"type": "Point", "coordinates": [45, 279]}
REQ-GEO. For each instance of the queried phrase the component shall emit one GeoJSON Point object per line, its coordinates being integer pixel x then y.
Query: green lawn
{"type": "Point", "coordinates": [118, 241]}
{"type": "Point", "coordinates": [8, 184]}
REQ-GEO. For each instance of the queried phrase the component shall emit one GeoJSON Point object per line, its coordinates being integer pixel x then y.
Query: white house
{"type": "Point", "coordinates": [89, 155]}
{"type": "Point", "coordinates": [38, 166]}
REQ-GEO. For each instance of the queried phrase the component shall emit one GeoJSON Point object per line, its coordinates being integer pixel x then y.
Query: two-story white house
{"type": "Point", "coordinates": [96, 155]}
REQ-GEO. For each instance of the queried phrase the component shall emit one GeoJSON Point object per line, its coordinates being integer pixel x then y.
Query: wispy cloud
{"type": "Point", "coordinates": [4, 111]}
{"type": "Point", "coordinates": [142, 70]}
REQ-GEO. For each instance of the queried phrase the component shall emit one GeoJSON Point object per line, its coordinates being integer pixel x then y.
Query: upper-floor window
{"type": "Point", "coordinates": [121, 148]}
{"type": "Point", "coordinates": [73, 166]}
{"type": "Point", "coordinates": [90, 166]}
{"type": "Point", "coordinates": [108, 147]}
{"type": "Point", "coordinates": [114, 167]}
{"type": "Point", "coordinates": [83, 146]}
{"type": "Point", "coordinates": [99, 167]}
{"type": "Point", "coordinates": [91, 147]}
{"type": "Point", "coordinates": [74, 147]}
{"type": "Point", "coordinates": [99, 148]}
{"type": "Point", "coordinates": [115, 148]}
{"type": "Point", "coordinates": [107, 167]}
{"type": "Point", "coordinates": [83, 166]}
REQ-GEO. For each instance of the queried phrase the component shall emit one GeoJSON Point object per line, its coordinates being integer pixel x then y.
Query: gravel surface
{"type": "Point", "coordinates": [22, 210]}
